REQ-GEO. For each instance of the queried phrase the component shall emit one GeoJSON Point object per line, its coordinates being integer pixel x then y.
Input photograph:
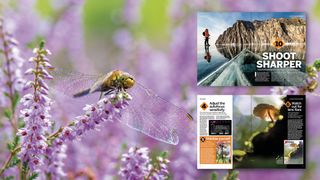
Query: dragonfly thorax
{"type": "Point", "coordinates": [118, 80]}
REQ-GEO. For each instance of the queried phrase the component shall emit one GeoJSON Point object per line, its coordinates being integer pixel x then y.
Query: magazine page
{"type": "Point", "coordinates": [214, 132]}
{"type": "Point", "coordinates": [269, 131]}
{"type": "Point", "coordinates": [251, 48]}
{"type": "Point", "coordinates": [266, 131]}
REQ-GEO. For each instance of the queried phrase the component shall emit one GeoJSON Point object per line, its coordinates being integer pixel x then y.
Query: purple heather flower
{"type": "Point", "coordinates": [135, 164]}
{"type": "Point", "coordinates": [159, 170]}
{"type": "Point", "coordinates": [56, 153]}
{"type": "Point", "coordinates": [107, 109]}
{"type": "Point", "coordinates": [36, 112]}
{"type": "Point", "coordinates": [10, 73]}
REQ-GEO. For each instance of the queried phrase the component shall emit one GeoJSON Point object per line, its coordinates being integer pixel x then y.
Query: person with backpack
{"type": "Point", "coordinates": [206, 36]}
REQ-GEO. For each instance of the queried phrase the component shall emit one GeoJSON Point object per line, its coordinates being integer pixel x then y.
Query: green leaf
{"type": "Point", "coordinates": [16, 141]}
{"type": "Point", "coordinates": [16, 99]}
{"type": "Point", "coordinates": [12, 145]}
{"type": "Point", "coordinates": [41, 45]}
{"type": "Point", "coordinates": [14, 162]}
{"type": "Point", "coordinates": [214, 176]}
{"type": "Point", "coordinates": [35, 41]}
{"type": "Point", "coordinates": [8, 178]}
{"type": "Point", "coordinates": [6, 94]}
{"type": "Point", "coordinates": [21, 124]}
{"type": "Point", "coordinates": [164, 154]}
{"type": "Point", "coordinates": [232, 175]}
{"type": "Point", "coordinates": [8, 113]}
{"type": "Point", "coordinates": [33, 176]}
{"type": "Point", "coordinates": [24, 170]}
{"type": "Point", "coordinates": [124, 146]}
{"type": "Point", "coordinates": [316, 64]}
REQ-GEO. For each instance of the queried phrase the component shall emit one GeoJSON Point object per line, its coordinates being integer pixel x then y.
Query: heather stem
{"type": "Point", "coordinates": [6, 163]}
{"type": "Point", "coordinates": [58, 132]}
{"type": "Point", "coordinates": [38, 60]}
{"type": "Point", "coordinates": [11, 94]}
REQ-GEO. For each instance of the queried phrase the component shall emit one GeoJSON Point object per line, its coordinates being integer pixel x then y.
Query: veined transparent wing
{"type": "Point", "coordinates": [72, 82]}
{"type": "Point", "coordinates": [155, 117]}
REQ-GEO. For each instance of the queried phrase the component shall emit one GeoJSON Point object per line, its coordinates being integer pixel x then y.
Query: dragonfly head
{"type": "Point", "coordinates": [126, 80]}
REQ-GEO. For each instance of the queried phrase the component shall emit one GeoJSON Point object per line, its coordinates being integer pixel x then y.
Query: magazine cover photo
{"type": "Point", "coordinates": [251, 48]}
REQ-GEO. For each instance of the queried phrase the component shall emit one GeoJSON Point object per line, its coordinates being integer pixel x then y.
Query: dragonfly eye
{"type": "Point", "coordinates": [128, 82]}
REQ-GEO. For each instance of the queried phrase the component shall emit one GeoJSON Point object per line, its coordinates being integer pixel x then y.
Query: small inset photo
{"type": "Point", "coordinates": [223, 154]}
{"type": "Point", "coordinates": [220, 127]}
{"type": "Point", "coordinates": [293, 151]}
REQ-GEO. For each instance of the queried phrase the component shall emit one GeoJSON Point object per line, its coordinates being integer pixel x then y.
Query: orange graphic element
{"type": "Point", "coordinates": [288, 104]}
{"type": "Point", "coordinates": [278, 43]}
{"type": "Point", "coordinates": [204, 106]}
{"type": "Point", "coordinates": [208, 148]}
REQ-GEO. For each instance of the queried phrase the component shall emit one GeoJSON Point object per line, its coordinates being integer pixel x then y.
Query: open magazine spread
{"type": "Point", "coordinates": [257, 131]}
{"type": "Point", "coordinates": [251, 48]}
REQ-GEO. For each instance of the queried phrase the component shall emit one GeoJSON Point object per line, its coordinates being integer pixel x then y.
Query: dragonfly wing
{"type": "Point", "coordinates": [72, 82]}
{"type": "Point", "coordinates": [155, 117]}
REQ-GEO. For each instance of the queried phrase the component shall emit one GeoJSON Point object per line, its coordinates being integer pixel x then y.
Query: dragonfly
{"type": "Point", "coordinates": [147, 113]}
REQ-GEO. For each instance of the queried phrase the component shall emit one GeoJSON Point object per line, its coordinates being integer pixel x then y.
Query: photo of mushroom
{"type": "Point", "coordinates": [259, 131]}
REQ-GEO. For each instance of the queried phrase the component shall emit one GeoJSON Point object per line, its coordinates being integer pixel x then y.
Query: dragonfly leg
{"type": "Point", "coordinates": [100, 95]}
{"type": "Point", "coordinates": [105, 93]}
{"type": "Point", "coordinates": [108, 92]}
{"type": "Point", "coordinates": [119, 89]}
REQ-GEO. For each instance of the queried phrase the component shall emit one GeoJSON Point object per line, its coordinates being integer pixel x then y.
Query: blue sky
{"type": "Point", "coordinates": [218, 22]}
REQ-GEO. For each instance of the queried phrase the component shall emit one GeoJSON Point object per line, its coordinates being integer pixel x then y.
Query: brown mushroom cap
{"type": "Point", "coordinates": [265, 111]}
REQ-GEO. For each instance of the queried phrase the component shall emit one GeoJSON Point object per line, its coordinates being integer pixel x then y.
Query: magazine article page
{"type": "Point", "coordinates": [268, 131]}
{"type": "Point", "coordinates": [214, 132]}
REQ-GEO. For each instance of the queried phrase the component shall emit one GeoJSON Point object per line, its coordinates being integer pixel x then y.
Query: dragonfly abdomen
{"type": "Point", "coordinates": [82, 93]}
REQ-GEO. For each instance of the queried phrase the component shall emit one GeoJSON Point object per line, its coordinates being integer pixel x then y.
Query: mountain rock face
{"type": "Point", "coordinates": [290, 30]}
